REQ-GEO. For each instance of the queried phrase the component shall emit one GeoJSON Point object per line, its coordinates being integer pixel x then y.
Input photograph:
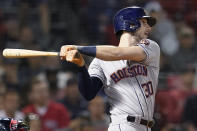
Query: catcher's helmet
{"type": "Point", "coordinates": [127, 19]}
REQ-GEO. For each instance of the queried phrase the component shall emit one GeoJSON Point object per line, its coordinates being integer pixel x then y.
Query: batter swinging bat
{"type": "Point", "coordinates": [23, 53]}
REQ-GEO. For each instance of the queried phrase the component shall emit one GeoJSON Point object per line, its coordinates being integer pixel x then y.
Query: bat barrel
{"type": "Point", "coordinates": [23, 53]}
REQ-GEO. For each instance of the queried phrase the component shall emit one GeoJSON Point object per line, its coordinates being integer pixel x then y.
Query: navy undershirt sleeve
{"type": "Point", "coordinates": [88, 86]}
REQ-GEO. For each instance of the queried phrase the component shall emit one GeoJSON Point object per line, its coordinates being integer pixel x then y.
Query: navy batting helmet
{"type": "Point", "coordinates": [127, 19]}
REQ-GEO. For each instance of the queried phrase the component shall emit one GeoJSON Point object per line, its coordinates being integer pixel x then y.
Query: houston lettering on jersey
{"type": "Point", "coordinates": [129, 72]}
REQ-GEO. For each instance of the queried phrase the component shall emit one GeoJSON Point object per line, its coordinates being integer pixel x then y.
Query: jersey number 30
{"type": "Point", "coordinates": [148, 88]}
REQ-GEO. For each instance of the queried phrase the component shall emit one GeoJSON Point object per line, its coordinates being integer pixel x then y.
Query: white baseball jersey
{"type": "Point", "coordinates": [130, 86]}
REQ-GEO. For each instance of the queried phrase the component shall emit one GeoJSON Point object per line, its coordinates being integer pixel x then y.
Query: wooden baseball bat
{"type": "Point", "coordinates": [23, 53]}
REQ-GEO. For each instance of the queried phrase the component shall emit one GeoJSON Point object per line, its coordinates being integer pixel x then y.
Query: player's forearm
{"type": "Point", "coordinates": [112, 53]}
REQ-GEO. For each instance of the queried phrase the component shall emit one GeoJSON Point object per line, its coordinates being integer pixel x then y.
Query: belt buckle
{"type": "Point", "coordinates": [150, 124]}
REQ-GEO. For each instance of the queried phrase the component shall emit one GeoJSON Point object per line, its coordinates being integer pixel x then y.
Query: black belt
{"type": "Point", "coordinates": [146, 123]}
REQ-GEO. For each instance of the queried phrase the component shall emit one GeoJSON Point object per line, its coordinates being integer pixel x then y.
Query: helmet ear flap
{"type": "Point", "coordinates": [131, 25]}
{"type": "Point", "coordinates": [134, 25]}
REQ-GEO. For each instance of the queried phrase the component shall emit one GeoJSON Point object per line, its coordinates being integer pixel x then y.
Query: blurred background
{"type": "Point", "coordinates": [44, 90]}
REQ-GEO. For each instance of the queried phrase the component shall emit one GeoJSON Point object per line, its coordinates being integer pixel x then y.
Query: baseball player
{"type": "Point", "coordinates": [128, 73]}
